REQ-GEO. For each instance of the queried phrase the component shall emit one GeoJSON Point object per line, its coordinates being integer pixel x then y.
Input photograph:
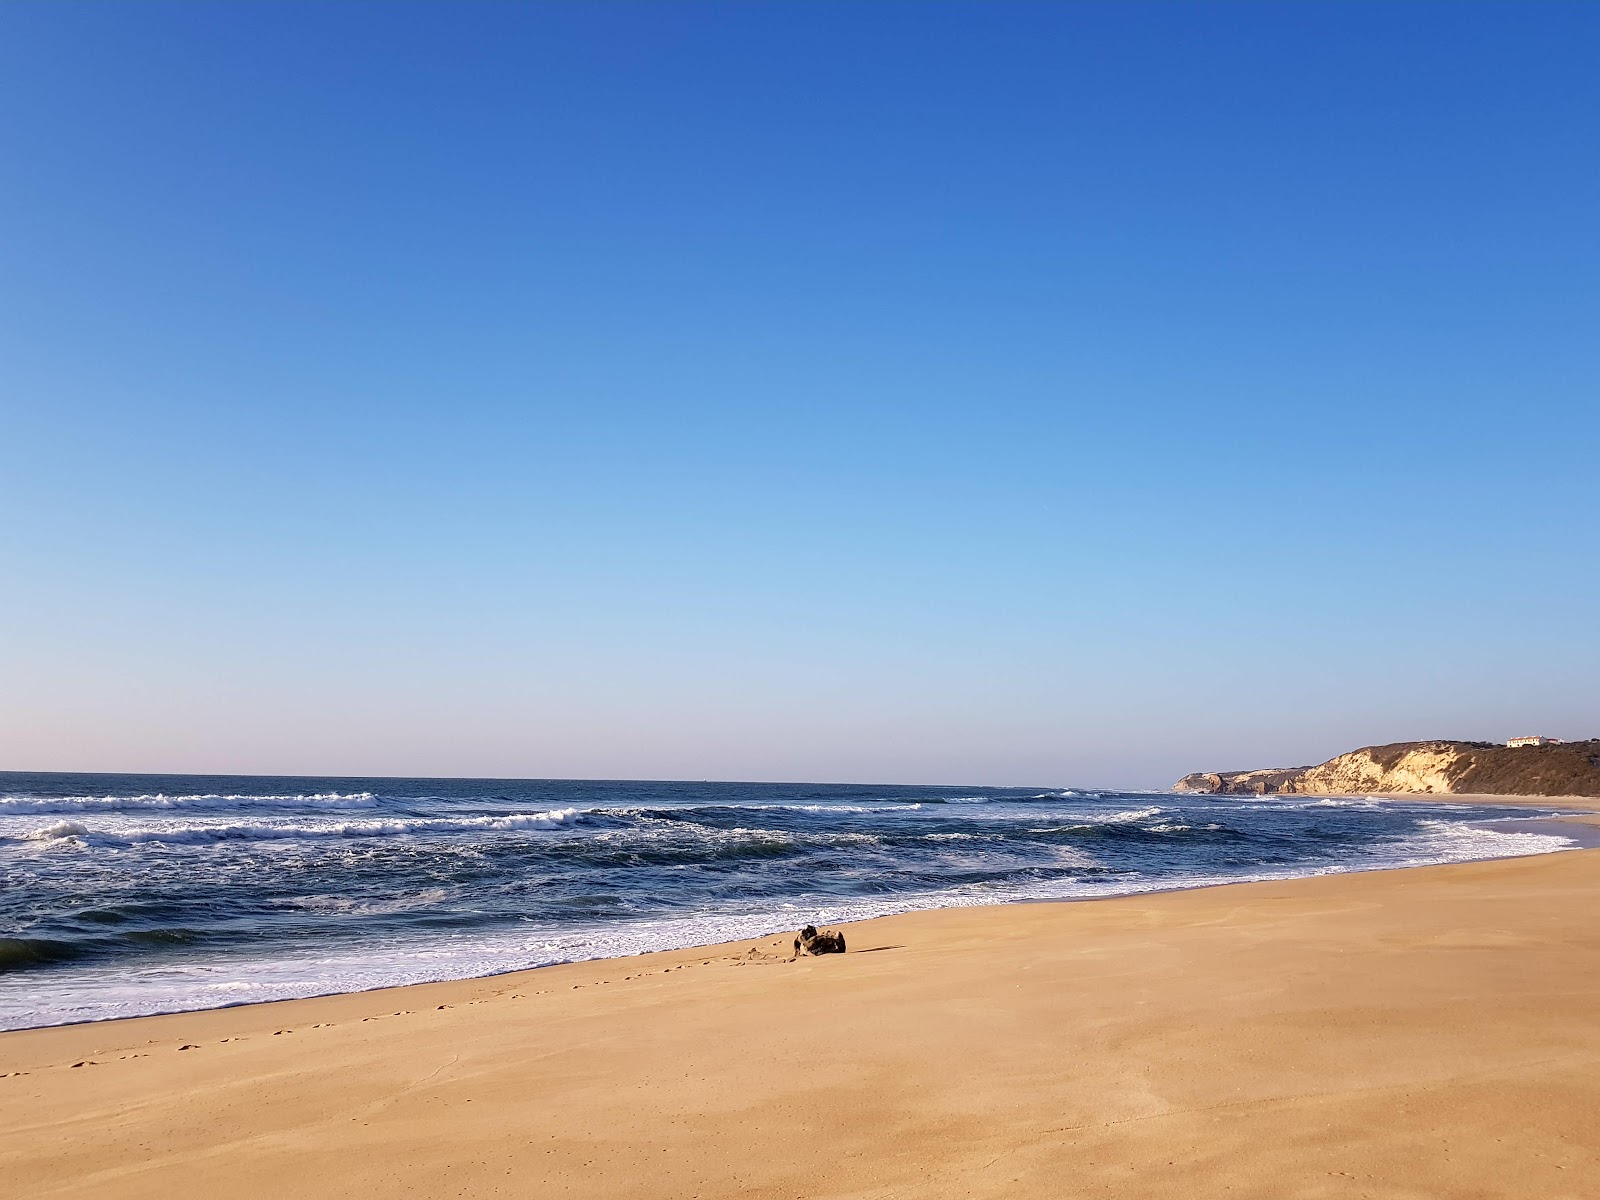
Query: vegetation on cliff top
{"type": "Point", "coordinates": [1565, 769]}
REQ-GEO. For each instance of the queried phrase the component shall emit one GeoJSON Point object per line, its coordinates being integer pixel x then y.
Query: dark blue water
{"type": "Point", "coordinates": [124, 894]}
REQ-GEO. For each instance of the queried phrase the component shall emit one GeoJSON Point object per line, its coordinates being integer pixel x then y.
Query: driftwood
{"type": "Point", "coordinates": [812, 942]}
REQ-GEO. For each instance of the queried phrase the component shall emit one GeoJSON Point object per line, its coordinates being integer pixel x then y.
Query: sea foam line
{"type": "Point", "coordinates": [157, 800]}
{"type": "Point", "coordinates": [259, 831]}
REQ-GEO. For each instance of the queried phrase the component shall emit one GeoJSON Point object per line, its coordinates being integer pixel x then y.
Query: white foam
{"type": "Point", "coordinates": [1129, 816]}
{"type": "Point", "coordinates": [158, 800]}
{"type": "Point", "coordinates": [362, 906]}
{"type": "Point", "coordinates": [660, 833]}
{"type": "Point", "coordinates": [269, 831]}
{"type": "Point", "coordinates": [1456, 841]}
{"type": "Point", "coordinates": [810, 808]}
{"type": "Point", "coordinates": [61, 829]}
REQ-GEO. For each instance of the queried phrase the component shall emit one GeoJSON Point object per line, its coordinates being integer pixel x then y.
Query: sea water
{"type": "Point", "coordinates": [133, 894]}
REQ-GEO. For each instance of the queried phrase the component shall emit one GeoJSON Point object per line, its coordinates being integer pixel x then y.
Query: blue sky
{"type": "Point", "coordinates": [1057, 394]}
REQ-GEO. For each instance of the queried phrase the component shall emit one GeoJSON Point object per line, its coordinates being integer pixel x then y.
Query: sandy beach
{"type": "Point", "coordinates": [1416, 1033]}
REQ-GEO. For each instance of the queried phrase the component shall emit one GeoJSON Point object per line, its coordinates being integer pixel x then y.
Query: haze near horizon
{"type": "Point", "coordinates": [1072, 395]}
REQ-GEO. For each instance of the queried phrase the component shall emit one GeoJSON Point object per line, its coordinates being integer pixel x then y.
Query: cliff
{"type": "Point", "coordinates": [1424, 768]}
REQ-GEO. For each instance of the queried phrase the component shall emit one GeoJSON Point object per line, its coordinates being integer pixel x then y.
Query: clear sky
{"type": "Point", "coordinates": [1057, 394]}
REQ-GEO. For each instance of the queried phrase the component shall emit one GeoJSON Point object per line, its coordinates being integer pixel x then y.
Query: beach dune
{"type": "Point", "coordinates": [1432, 1032]}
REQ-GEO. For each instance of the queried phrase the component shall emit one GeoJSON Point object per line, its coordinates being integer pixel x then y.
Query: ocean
{"type": "Point", "coordinates": [132, 894]}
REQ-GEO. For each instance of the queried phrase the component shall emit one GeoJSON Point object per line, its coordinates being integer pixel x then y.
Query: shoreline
{"type": "Point", "coordinates": [1584, 804]}
{"type": "Point", "coordinates": [1582, 827]}
{"type": "Point", "coordinates": [1271, 1037]}
{"type": "Point", "coordinates": [1575, 826]}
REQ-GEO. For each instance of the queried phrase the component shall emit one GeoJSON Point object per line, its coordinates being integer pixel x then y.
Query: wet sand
{"type": "Point", "coordinates": [1430, 1032]}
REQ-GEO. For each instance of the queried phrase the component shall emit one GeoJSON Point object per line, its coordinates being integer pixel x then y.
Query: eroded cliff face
{"type": "Point", "coordinates": [1430, 767]}
{"type": "Point", "coordinates": [1423, 768]}
{"type": "Point", "coordinates": [1270, 781]}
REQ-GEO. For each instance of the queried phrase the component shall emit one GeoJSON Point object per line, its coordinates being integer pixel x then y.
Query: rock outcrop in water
{"type": "Point", "coordinates": [1423, 768]}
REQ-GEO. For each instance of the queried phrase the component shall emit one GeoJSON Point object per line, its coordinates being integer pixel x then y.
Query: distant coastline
{"type": "Point", "coordinates": [1433, 768]}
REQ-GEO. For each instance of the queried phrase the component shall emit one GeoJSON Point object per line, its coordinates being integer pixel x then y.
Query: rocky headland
{"type": "Point", "coordinates": [1423, 768]}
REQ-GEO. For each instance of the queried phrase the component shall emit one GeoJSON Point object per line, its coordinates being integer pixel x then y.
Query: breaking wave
{"type": "Point", "coordinates": [111, 804]}
{"type": "Point", "coordinates": [262, 831]}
